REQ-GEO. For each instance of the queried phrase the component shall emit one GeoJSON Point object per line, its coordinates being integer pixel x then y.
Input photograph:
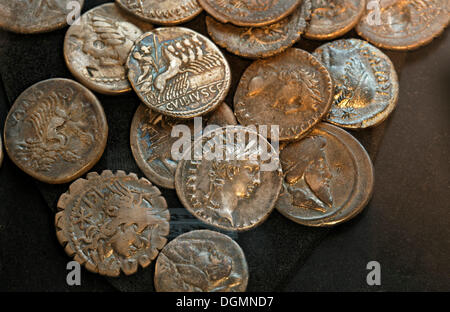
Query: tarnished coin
{"type": "Point", "coordinates": [97, 48]}
{"type": "Point", "coordinates": [163, 12]}
{"type": "Point", "coordinates": [1, 152]}
{"type": "Point", "coordinates": [201, 261]}
{"type": "Point", "coordinates": [112, 222]}
{"type": "Point", "coordinates": [331, 19]}
{"type": "Point", "coordinates": [249, 12]}
{"type": "Point", "coordinates": [178, 72]}
{"type": "Point", "coordinates": [39, 16]}
{"type": "Point", "coordinates": [365, 82]}
{"type": "Point", "coordinates": [256, 42]}
{"type": "Point", "coordinates": [328, 177]}
{"type": "Point", "coordinates": [234, 183]}
{"type": "Point", "coordinates": [292, 90]}
{"type": "Point", "coordinates": [404, 24]}
{"type": "Point", "coordinates": [152, 141]}
{"type": "Point", "coordinates": [56, 131]}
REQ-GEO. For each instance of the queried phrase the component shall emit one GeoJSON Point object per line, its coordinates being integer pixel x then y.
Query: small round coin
{"type": "Point", "coordinates": [56, 131]}
{"type": "Point", "coordinates": [404, 24]}
{"type": "Point", "coordinates": [32, 17]}
{"type": "Point", "coordinates": [201, 261]}
{"type": "Point", "coordinates": [249, 12]}
{"type": "Point", "coordinates": [112, 222]}
{"type": "Point", "coordinates": [365, 82]}
{"type": "Point", "coordinates": [178, 72]}
{"type": "Point", "coordinates": [328, 178]}
{"type": "Point", "coordinates": [292, 90]}
{"type": "Point", "coordinates": [331, 19]}
{"type": "Point", "coordinates": [256, 42]}
{"type": "Point", "coordinates": [163, 12]}
{"type": "Point", "coordinates": [96, 48]}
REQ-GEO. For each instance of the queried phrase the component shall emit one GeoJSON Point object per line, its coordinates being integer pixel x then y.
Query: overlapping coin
{"type": "Point", "coordinates": [328, 178]}
{"type": "Point", "coordinates": [178, 72]}
{"type": "Point", "coordinates": [201, 261]}
{"type": "Point", "coordinates": [56, 130]}
{"type": "Point", "coordinates": [365, 80]}
{"type": "Point", "coordinates": [112, 222]}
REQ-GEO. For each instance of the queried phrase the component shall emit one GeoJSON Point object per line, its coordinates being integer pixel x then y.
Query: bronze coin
{"type": "Point", "coordinates": [201, 261]}
{"type": "Point", "coordinates": [222, 116]}
{"type": "Point", "coordinates": [331, 19]}
{"type": "Point", "coordinates": [96, 49]}
{"type": "Point", "coordinates": [1, 152]}
{"type": "Point", "coordinates": [178, 72]}
{"type": "Point", "coordinates": [292, 90]}
{"type": "Point", "coordinates": [404, 24]}
{"type": "Point", "coordinates": [234, 187]}
{"type": "Point", "coordinates": [256, 42]}
{"type": "Point", "coordinates": [163, 12]}
{"type": "Point", "coordinates": [328, 178]}
{"type": "Point", "coordinates": [56, 131]}
{"type": "Point", "coordinates": [112, 222]}
{"type": "Point", "coordinates": [32, 17]}
{"type": "Point", "coordinates": [365, 82]}
{"type": "Point", "coordinates": [249, 12]}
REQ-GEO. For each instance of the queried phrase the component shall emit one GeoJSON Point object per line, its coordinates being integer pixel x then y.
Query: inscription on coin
{"type": "Point", "coordinates": [112, 222]}
{"type": "Point", "coordinates": [56, 130]}
{"type": "Point", "coordinates": [366, 84]}
{"type": "Point", "coordinates": [201, 261]}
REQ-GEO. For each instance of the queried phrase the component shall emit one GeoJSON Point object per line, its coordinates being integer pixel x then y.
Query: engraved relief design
{"type": "Point", "coordinates": [243, 7]}
{"type": "Point", "coordinates": [162, 9]}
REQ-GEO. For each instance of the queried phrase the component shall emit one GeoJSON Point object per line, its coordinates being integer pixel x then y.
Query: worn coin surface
{"type": "Point", "coordinates": [234, 183]}
{"type": "Point", "coordinates": [96, 49]}
{"type": "Point", "coordinates": [178, 72]}
{"type": "Point", "coordinates": [249, 12]}
{"type": "Point", "coordinates": [292, 90]}
{"type": "Point", "coordinates": [365, 82]}
{"type": "Point", "coordinates": [201, 261]}
{"type": "Point", "coordinates": [331, 19]}
{"type": "Point", "coordinates": [163, 12]}
{"type": "Point", "coordinates": [112, 222]}
{"type": "Point", "coordinates": [404, 24]}
{"type": "Point", "coordinates": [328, 178]}
{"type": "Point", "coordinates": [39, 16]}
{"type": "Point", "coordinates": [256, 42]}
{"type": "Point", "coordinates": [56, 130]}
{"type": "Point", "coordinates": [222, 116]}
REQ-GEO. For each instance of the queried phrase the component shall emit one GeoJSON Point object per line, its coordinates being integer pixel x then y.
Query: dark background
{"type": "Point", "coordinates": [406, 226]}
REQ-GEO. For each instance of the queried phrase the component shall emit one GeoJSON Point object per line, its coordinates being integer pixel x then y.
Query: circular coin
{"type": "Point", "coordinates": [178, 72]}
{"type": "Point", "coordinates": [112, 222]}
{"type": "Point", "coordinates": [31, 17]}
{"type": "Point", "coordinates": [256, 42]}
{"type": "Point", "coordinates": [331, 19]}
{"type": "Point", "coordinates": [328, 178]}
{"type": "Point", "coordinates": [222, 116]}
{"type": "Point", "coordinates": [365, 82]}
{"type": "Point", "coordinates": [56, 131]}
{"type": "Point", "coordinates": [404, 24]}
{"type": "Point", "coordinates": [292, 90]}
{"type": "Point", "coordinates": [163, 12]}
{"type": "Point", "coordinates": [201, 260]}
{"type": "Point", "coordinates": [249, 12]}
{"type": "Point", "coordinates": [96, 48]}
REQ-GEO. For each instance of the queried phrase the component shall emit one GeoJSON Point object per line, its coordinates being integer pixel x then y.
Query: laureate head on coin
{"type": "Point", "coordinates": [328, 178]}
{"type": "Point", "coordinates": [292, 90]}
{"type": "Point", "coordinates": [365, 82]}
{"type": "Point", "coordinates": [56, 131]}
{"type": "Point", "coordinates": [404, 24]}
{"type": "Point", "coordinates": [178, 72]}
{"type": "Point", "coordinates": [201, 261]}
{"type": "Point", "coordinates": [230, 178]}
{"type": "Point", "coordinates": [96, 49]}
{"type": "Point", "coordinates": [31, 17]}
{"type": "Point", "coordinates": [256, 42]}
{"type": "Point", "coordinates": [249, 12]}
{"type": "Point", "coordinates": [112, 222]}
{"type": "Point", "coordinates": [163, 12]}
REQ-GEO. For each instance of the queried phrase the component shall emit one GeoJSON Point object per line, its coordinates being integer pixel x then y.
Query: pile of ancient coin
{"type": "Point", "coordinates": [113, 222]}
